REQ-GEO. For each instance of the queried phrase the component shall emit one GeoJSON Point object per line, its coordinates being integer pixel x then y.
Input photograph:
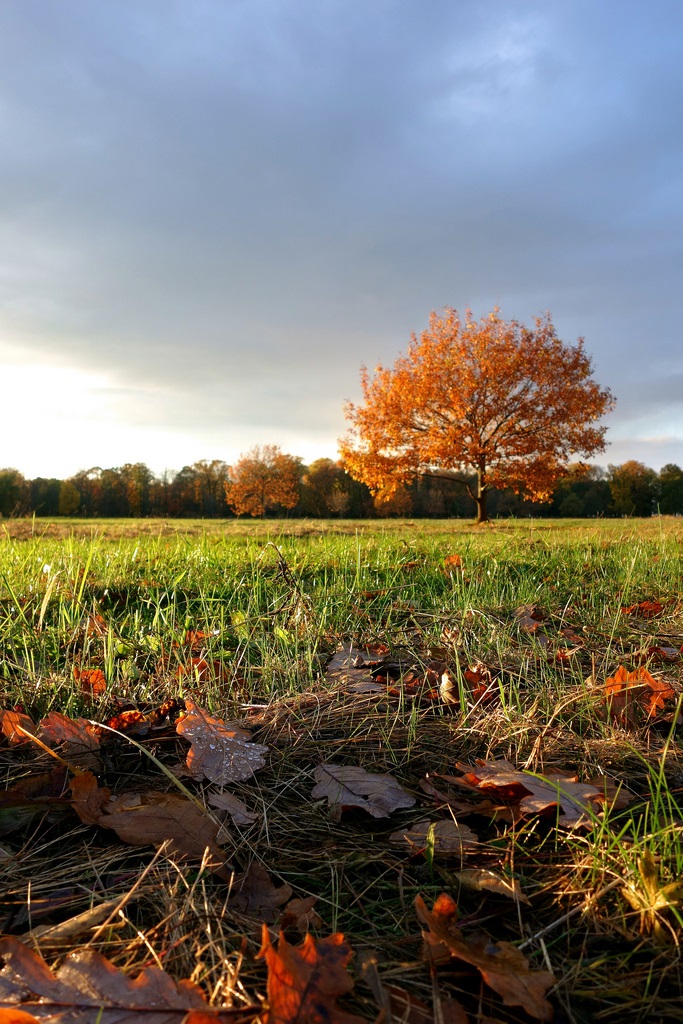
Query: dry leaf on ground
{"type": "Point", "coordinates": [36, 794]}
{"type": "Point", "coordinates": [300, 914]}
{"type": "Point", "coordinates": [304, 982]}
{"type": "Point", "coordinates": [75, 738]}
{"type": "Point", "coordinates": [501, 965]}
{"type": "Point", "coordinates": [220, 752]}
{"type": "Point", "coordinates": [87, 980]}
{"type": "Point", "coordinates": [631, 695]}
{"type": "Point", "coordinates": [533, 794]}
{"type": "Point", "coordinates": [11, 725]}
{"type": "Point", "coordinates": [483, 880]}
{"type": "Point", "coordinates": [446, 838]}
{"type": "Point", "coordinates": [253, 893]}
{"type": "Point", "coordinates": [645, 609]}
{"type": "Point", "coordinates": [233, 806]}
{"type": "Point", "coordinates": [88, 799]}
{"type": "Point", "coordinates": [351, 668]}
{"type": "Point", "coordinates": [92, 681]}
{"type": "Point", "coordinates": [349, 786]}
{"type": "Point", "coordinates": [149, 819]}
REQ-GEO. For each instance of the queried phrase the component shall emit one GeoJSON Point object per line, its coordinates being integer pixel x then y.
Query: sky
{"type": "Point", "coordinates": [212, 212]}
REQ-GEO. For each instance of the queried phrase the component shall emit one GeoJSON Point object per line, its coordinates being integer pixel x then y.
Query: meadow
{"type": "Point", "coordinates": [520, 682]}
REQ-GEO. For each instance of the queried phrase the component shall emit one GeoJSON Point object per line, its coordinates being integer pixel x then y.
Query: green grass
{"type": "Point", "coordinates": [273, 600]}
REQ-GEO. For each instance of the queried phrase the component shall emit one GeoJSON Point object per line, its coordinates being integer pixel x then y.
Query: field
{"type": "Point", "coordinates": [551, 648]}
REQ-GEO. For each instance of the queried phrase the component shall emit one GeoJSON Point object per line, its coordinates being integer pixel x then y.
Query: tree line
{"type": "Point", "coordinates": [268, 482]}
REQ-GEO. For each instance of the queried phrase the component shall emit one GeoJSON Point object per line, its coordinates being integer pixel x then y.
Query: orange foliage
{"type": "Point", "coordinates": [262, 480]}
{"type": "Point", "coordinates": [494, 398]}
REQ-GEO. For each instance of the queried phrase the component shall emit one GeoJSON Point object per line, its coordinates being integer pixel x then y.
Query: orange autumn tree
{"type": "Point", "coordinates": [263, 480]}
{"type": "Point", "coordinates": [491, 399]}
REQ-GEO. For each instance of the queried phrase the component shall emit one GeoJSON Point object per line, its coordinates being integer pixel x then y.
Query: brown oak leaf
{"type": "Point", "coordinates": [253, 893]}
{"type": "Point", "coordinates": [304, 982]}
{"type": "Point", "coordinates": [149, 819]}
{"type": "Point", "coordinates": [501, 965]}
{"type": "Point", "coordinates": [219, 751]}
{"type": "Point", "coordinates": [233, 806]}
{"type": "Point", "coordinates": [352, 668]}
{"type": "Point", "coordinates": [76, 738]}
{"type": "Point", "coordinates": [14, 725]}
{"type": "Point", "coordinates": [533, 794]}
{"type": "Point", "coordinates": [300, 914]}
{"type": "Point", "coordinates": [86, 980]}
{"type": "Point", "coordinates": [87, 799]}
{"type": "Point", "coordinates": [446, 838]}
{"type": "Point", "coordinates": [349, 786]}
{"type": "Point", "coordinates": [630, 695]}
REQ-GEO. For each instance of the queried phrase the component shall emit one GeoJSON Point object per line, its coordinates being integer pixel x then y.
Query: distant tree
{"type": "Point", "coordinates": [13, 492]}
{"type": "Point", "coordinates": [671, 490]}
{"type": "Point", "coordinates": [44, 496]}
{"type": "Point", "coordinates": [634, 489]}
{"type": "Point", "coordinates": [210, 479]}
{"type": "Point", "coordinates": [582, 491]}
{"type": "Point", "coordinates": [264, 480]}
{"type": "Point", "coordinates": [69, 499]}
{"type": "Point", "coordinates": [506, 402]}
{"type": "Point", "coordinates": [136, 480]}
{"type": "Point", "coordinates": [394, 503]}
{"type": "Point", "coordinates": [325, 488]}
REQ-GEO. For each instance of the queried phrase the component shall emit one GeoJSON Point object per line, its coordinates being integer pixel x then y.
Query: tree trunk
{"type": "Point", "coordinates": [482, 491]}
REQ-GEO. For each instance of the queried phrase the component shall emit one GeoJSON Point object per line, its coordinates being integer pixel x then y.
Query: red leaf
{"type": "Point", "coordinates": [646, 609]}
{"type": "Point", "coordinates": [630, 693]}
{"type": "Point", "coordinates": [304, 982]}
{"type": "Point", "coordinates": [501, 965]}
{"type": "Point", "coordinates": [92, 681]}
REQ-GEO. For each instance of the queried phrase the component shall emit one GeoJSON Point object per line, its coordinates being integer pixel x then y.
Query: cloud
{"type": "Point", "coordinates": [226, 208]}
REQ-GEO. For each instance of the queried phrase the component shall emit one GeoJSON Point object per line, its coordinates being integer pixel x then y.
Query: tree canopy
{"type": "Point", "coordinates": [262, 480]}
{"type": "Point", "coordinates": [509, 403]}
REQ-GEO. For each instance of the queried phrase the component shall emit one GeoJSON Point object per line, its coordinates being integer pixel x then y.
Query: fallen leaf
{"type": "Point", "coordinates": [11, 725]}
{"type": "Point", "coordinates": [92, 681]}
{"type": "Point", "coordinates": [87, 799]}
{"type": "Point", "coordinates": [453, 561]}
{"type": "Point", "coordinates": [446, 838]}
{"type": "Point", "coordinates": [17, 1017]}
{"type": "Point", "coordinates": [501, 965]}
{"type": "Point", "coordinates": [300, 914]}
{"type": "Point", "coordinates": [234, 807]}
{"type": "Point", "coordinates": [481, 879]}
{"type": "Point", "coordinates": [350, 667]}
{"type": "Point", "coordinates": [253, 893]}
{"type": "Point", "coordinates": [629, 695]}
{"type": "Point", "coordinates": [529, 617]}
{"type": "Point", "coordinates": [200, 670]}
{"type": "Point", "coordinates": [645, 609]}
{"type": "Point", "coordinates": [151, 818]}
{"type": "Point", "coordinates": [612, 794]}
{"type": "Point", "coordinates": [304, 982]}
{"type": "Point", "coordinates": [34, 795]}
{"type": "Point", "coordinates": [480, 678]}
{"type": "Point", "coordinates": [349, 786]}
{"type": "Point", "coordinates": [661, 653]}
{"type": "Point", "coordinates": [76, 738]}
{"type": "Point", "coordinates": [533, 793]}
{"type": "Point", "coordinates": [87, 980]}
{"type": "Point", "coordinates": [219, 751]}
{"type": "Point", "coordinates": [459, 807]}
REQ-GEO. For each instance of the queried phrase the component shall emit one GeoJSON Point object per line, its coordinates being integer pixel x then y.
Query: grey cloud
{"type": "Point", "coordinates": [231, 206]}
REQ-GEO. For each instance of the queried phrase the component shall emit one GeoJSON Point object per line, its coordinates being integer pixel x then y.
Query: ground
{"type": "Point", "coordinates": [421, 651]}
